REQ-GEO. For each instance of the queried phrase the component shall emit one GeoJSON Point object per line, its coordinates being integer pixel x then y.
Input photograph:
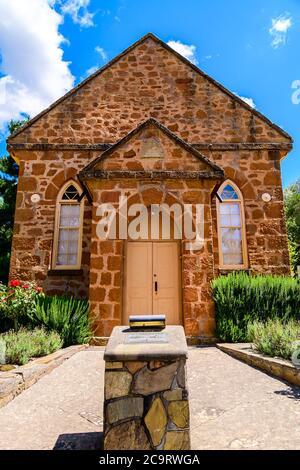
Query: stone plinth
{"type": "Point", "coordinates": [146, 398]}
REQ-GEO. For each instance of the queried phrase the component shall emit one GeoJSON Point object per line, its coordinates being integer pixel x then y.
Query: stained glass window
{"type": "Point", "coordinates": [68, 249]}
{"type": "Point", "coordinates": [228, 193]}
{"type": "Point", "coordinates": [71, 193]}
{"type": "Point", "coordinates": [231, 228]}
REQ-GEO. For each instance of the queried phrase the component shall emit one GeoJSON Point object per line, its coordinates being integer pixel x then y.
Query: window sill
{"type": "Point", "coordinates": [224, 271]}
{"type": "Point", "coordinates": [65, 272]}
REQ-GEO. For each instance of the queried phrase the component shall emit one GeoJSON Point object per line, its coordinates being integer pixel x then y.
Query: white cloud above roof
{"type": "Point", "coordinates": [186, 50]}
{"type": "Point", "coordinates": [33, 71]}
{"type": "Point", "coordinates": [101, 52]}
{"type": "Point", "coordinates": [103, 56]}
{"type": "Point", "coordinates": [78, 11]}
{"type": "Point", "coordinates": [247, 100]}
{"type": "Point", "coordinates": [279, 29]}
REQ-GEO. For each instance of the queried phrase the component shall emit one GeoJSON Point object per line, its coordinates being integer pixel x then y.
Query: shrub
{"type": "Point", "coordinates": [25, 344]}
{"type": "Point", "coordinates": [240, 299]}
{"type": "Point", "coordinates": [275, 337]}
{"type": "Point", "coordinates": [66, 315]}
{"type": "Point", "coordinates": [17, 302]}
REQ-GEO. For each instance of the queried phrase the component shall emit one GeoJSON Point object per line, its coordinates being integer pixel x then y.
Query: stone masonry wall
{"type": "Point", "coordinates": [107, 257]}
{"type": "Point", "coordinates": [44, 173]}
{"type": "Point", "coordinates": [256, 173]}
{"type": "Point", "coordinates": [133, 155]}
{"type": "Point", "coordinates": [146, 406]}
{"type": "Point", "coordinates": [149, 81]}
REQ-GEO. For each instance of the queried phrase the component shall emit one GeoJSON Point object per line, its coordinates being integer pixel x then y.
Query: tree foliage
{"type": "Point", "coordinates": [8, 190]}
{"type": "Point", "coordinates": [292, 214]}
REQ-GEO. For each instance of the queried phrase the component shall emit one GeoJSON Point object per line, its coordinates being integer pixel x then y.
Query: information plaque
{"type": "Point", "coordinates": [151, 337]}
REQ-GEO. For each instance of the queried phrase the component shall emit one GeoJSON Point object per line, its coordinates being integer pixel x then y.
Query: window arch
{"type": "Point", "coordinates": [231, 227]}
{"type": "Point", "coordinates": [67, 246]}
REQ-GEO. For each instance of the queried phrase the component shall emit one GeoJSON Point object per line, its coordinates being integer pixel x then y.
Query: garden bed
{"type": "Point", "coordinates": [241, 299]}
{"type": "Point", "coordinates": [18, 379]}
{"type": "Point", "coordinates": [280, 368]}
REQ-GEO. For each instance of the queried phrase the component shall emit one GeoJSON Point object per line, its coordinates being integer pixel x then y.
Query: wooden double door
{"type": "Point", "coordinates": [152, 282]}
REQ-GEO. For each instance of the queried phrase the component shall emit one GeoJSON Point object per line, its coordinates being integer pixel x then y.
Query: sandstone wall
{"type": "Point", "coordinates": [44, 173]}
{"type": "Point", "coordinates": [149, 81]}
{"type": "Point", "coordinates": [256, 173]}
{"type": "Point", "coordinates": [108, 263]}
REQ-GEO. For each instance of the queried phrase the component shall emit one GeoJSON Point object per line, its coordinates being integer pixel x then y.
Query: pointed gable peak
{"type": "Point", "coordinates": [148, 124]}
{"type": "Point", "coordinates": [154, 38]}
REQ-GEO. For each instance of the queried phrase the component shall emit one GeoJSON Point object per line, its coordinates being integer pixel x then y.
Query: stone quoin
{"type": "Point", "coordinates": [152, 127]}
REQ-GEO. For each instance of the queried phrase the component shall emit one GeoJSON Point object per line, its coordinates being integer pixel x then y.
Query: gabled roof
{"type": "Point", "coordinates": [180, 57]}
{"type": "Point", "coordinates": [88, 170]}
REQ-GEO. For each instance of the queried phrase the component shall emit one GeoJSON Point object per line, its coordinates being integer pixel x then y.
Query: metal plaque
{"type": "Point", "coordinates": [144, 337]}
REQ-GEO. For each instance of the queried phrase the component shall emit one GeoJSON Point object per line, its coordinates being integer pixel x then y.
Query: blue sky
{"type": "Point", "coordinates": [250, 46]}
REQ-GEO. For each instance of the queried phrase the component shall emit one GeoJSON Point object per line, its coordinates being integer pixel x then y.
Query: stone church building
{"type": "Point", "coordinates": [150, 126]}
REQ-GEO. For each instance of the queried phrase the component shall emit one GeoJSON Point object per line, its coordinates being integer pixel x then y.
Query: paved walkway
{"type": "Point", "coordinates": [233, 406]}
{"type": "Point", "coordinates": [62, 410]}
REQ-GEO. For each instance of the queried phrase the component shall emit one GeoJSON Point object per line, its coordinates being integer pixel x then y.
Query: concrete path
{"type": "Point", "coordinates": [62, 410]}
{"type": "Point", "coordinates": [233, 406]}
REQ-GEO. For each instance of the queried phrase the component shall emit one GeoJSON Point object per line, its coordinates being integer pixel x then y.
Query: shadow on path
{"type": "Point", "coordinates": [80, 441]}
{"type": "Point", "coordinates": [290, 392]}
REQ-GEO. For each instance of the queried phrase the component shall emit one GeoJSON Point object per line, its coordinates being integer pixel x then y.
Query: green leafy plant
{"type": "Point", "coordinates": [8, 190]}
{"type": "Point", "coordinates": [18, 301]}
{"type": "Point", "coordinates": [275, 337]}
{"type": "Point", "coordinates": [25, 344]}
{"type": "Point", "coordinates": [292, 214]}
{"type": "Point", "coordinates": [66, 315]}
{"type": "Point", "coordinates": [240, 299]}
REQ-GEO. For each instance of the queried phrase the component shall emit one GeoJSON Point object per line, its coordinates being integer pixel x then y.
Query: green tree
{"type": "Point", "coordinates": [8, 189]}
{"type": "Point", "coordinates": [292, 214]}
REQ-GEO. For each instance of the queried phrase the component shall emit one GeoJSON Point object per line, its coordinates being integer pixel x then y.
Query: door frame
{"type": "Point", "coordinates": [124, 277]}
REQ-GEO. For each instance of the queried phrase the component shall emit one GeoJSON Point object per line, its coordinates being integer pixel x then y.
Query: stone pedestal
{"type": "Point", "coordinates": [145, 398]}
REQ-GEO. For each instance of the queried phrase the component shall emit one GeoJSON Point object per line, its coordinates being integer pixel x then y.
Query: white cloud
{"type": "Point", "coordinates": [90, 71]}
{"type": "Point", "coordinates": [279, 29]}
{"type": "Point", "coordinates": [187, 51]}
{"type": "Point", "coordinates": [209, 57]}
{"type": "Point", "coordinates": [101, 52]}
{"type": "Point", "coordinates": [78, 10]}
{"type": "Point", "coordinates": [249, 101]}
{"type": "Point", "coordinates": [33, 69]}
{"type": "Point", "coordinates": [94, 68]}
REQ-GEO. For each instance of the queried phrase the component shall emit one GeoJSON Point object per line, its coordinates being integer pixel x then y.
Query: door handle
{"type": "Point", "coordinates": [155, 286]}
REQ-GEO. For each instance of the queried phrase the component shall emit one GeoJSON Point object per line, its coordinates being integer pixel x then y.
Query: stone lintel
{"type": "Point", "coordinates": [151, 175]}
{"type": "Point", "coordinates": [222, 146]}
{"type": "Point", "coordinates": [57, 146]}
{"type": "Point", "coordinates": [65, 272]}
{"type": "Point", "coordinates": [119, 350]}
{"type": "Point", "coordinates": [229, 146]}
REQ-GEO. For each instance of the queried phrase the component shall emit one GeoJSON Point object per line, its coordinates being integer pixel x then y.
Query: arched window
{"type": "Point", "coordinates": [68, 228]}
{"type": "Point", "coordinates": [231, 227]}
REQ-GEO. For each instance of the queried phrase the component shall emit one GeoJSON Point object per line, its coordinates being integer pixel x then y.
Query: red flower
{"type": "Point", "coordinates": [15, 283]}
{"type": "Point", "coordinates": [25, 286]}
{"type": "Point", "coordinates": [38, 290]}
